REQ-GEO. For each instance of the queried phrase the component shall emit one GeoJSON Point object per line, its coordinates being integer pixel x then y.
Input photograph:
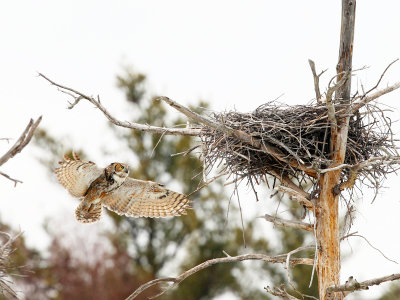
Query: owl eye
{"type": "Point", "coordinates": [119, 167]}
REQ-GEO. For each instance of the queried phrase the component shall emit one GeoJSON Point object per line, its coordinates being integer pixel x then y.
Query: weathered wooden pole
{"type": "Point", "coordinates": [327, 213]}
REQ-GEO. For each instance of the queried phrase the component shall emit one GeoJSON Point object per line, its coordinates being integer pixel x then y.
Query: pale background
{"type": "Point", "coordinates": [234, 54]}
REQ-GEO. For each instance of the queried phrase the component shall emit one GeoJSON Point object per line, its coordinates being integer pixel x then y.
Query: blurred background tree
{"type": "Point", "coordinates": [392, 293]}
{"type": "Point", "coordinates": [138, 250]}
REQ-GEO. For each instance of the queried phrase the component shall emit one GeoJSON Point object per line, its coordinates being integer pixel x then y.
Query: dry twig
{"type": "Point", "coordinates": [365, 100]}
{"type": "Point", "coordinates": [287, 223]}
{"type": "Point", "coordinates": [316, 79]}
{"type": "Point", "coordinates": [20, 144]}
{"type": "Point", "coordinates": [296, 196]}
{"type": "Point", "coordinates": [352, 285]}
{"type": "Point", "coordinates": [280, 292]}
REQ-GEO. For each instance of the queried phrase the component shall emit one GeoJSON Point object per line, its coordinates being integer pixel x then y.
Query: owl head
{"type": "Point", "coordinates": [117, 172]}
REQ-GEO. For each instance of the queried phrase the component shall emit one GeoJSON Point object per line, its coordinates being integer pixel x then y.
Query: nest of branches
{"type": "Point", "coordinates": [300, 134]}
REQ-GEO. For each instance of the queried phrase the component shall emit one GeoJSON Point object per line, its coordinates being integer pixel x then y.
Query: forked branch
{"type": "Point", "coordinates": [365, 100]}
{"type": "Point", "coordinates": [135, 126]}
{"type": "Point", "coordinates": [177, 280]}
{"type": "Point", "coordinates": [373, 161]}
{"type": "Point", "coordinates": [316, 80]}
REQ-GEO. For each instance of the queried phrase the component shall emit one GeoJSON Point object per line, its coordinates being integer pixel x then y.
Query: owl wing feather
{"type": "Point", "coordinates": [138, 198]}
{"type": "Point", "coordinates": [76, 175]}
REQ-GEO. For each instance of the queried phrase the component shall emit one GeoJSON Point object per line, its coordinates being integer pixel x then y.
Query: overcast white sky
{"type": "Point", "coordinates": [235, 54]}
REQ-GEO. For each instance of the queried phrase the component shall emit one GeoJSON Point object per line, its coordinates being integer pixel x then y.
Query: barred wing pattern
{"type": "Point", "coordinates": [77, 175]}
{"type": "Point", "coordinates": [138, 198]}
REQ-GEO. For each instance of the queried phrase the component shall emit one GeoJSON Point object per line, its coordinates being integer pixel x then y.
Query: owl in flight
{"type": "Point", "coordinates": [111, 187]}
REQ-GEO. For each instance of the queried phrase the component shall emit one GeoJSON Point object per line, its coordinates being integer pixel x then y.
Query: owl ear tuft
{"type": "Point", "coordinates": [75, 156]}
{"type": "Point", "coordinates": [108, 174]}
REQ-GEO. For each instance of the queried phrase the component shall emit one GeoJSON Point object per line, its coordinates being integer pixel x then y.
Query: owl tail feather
{"type": "Point", "coordinates": [88, 213]}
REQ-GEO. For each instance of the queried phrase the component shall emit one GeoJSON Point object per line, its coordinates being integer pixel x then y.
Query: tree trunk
{"type": "Point", "coordinates": [327, 213]}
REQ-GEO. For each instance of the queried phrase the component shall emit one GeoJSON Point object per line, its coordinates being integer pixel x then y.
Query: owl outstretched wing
{"type": "Point", "coordinates": [76, 175]}
{"type": "Point", "coordinates": [89, 214]}
{"type": "Point", "coordinates": [138, 198]}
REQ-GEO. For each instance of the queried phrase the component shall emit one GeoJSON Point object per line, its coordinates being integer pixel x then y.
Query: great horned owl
{"type": "Point", "coordinates": [113, 188]}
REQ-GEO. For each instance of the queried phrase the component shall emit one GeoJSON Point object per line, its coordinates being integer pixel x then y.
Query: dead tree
{"type": "Point", "coordinates": [327, 206]}
{"type": "Point", "coordinates": [331, 144]}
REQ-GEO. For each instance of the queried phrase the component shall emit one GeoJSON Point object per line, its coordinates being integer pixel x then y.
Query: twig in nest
{"type": "Point", "coordinates": [296, 196]}
{"type": "Point", "coordinates": [331, 106]}
{"type": "Point", "coordinates": [204, 184]}
{"type": "Point", "coordinates": [306, 131]}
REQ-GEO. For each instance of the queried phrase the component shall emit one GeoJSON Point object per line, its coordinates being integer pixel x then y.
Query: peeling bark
{"type": "Point", "coordinates": [327, 216]}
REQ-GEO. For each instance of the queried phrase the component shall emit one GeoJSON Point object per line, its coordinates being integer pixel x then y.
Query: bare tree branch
{"type": "Point", "coordinates": [316, 80]}
{"type": "Point", "coordinates": [373, 161]}
{"type": "Point", "coordinates": [368, 242]}
{"type": "Point", "coordinates": [198, 118]}
{"type": "Point", "coordinates": [287, 182]}
{"type": "Point", "coordinates": [287, 223]}
{"type": "Point", "coordinates": [176, 280]}
{"type": "Point", "coordinates": [23, 140]}
{"type": "Point", "coordinates": [352, 285]}
{"type": "Point", "coordinates": [16, 181]}
{"type": "Point", "coordinates": [357, 105]}
{"type": "Point", "coordinates": [20, 144]}
{"type": "Point", "coordinates": [204, 184]}
{"type": "Point", "coordinates": [301, 198]}
{"type": "Point", "coordinates": [329, 104]}
{"type": "Point", "coordinates": [380, 78]}
{"type": "Point", "coordinates": [288, 261]}
{"type": "Point", "coordinates": [192, 131]}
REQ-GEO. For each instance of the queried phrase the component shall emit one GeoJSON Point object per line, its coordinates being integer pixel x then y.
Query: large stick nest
{"type": "Point", "coordinates": [300, 132]}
